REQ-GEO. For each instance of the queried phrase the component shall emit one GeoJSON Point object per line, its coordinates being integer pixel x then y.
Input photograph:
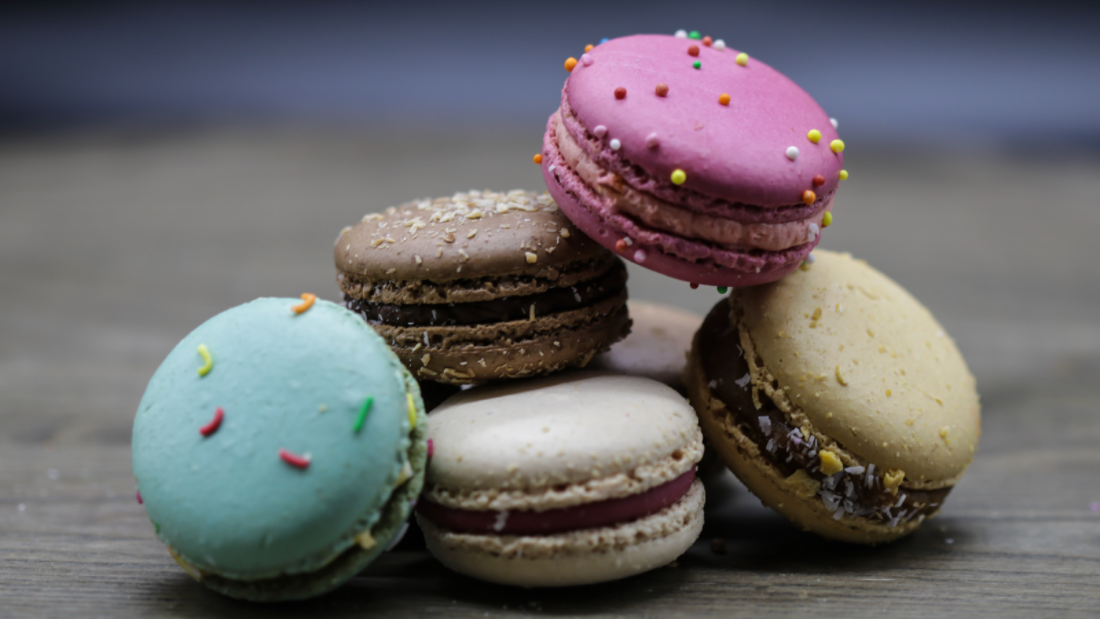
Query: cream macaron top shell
{"type": "Point", "coordinates": [559, 441]}
{"type": "Point", "coordinates": [864, 363]}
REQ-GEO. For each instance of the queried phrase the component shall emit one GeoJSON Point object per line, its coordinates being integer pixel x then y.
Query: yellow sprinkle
{"type": "Point", "coordinates": [678, 177]}
{"type": "Point", "coordinates": [412, 410]}
{"type": "Point", "coordinates": [843, 175]}
{"type": "Point", "coordinates": [889, 393]}
{"type": "Point", "coordinates": [207, 360]}
{"type": "Point", "coordinates": [837, 146]}
{"type": "Point", "coordinates": [191, 570]}
{"type": "Point", "coordinates": [830, 463]}
{"type": "Point", "coordinates": [742, 59]}
{"type": "Point", "coordinates": [365, 540]}
{"type": "Point", "coordinates": [814, 135]}
{"type": "Point", "coordinates": [826, 219]}
{"type": "Point", "coordinates": [840, 377]}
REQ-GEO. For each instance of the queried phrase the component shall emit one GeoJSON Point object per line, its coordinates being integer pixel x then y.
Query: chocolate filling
{"type": "Point", "coordinates": [552, 301]}
{"type": "Point", "coordinates": [855, 491]}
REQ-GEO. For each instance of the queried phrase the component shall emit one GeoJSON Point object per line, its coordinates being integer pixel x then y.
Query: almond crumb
{"type": "Point", "coordinates": [531, 258]}
{"type": "Point", "coordinates": [840, 377]}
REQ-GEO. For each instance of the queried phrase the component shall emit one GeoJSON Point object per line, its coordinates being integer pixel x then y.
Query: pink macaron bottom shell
{"type": "Point", "coordinates": [684, 259]}
{"type": "Point", "coordinates": [587, 516]}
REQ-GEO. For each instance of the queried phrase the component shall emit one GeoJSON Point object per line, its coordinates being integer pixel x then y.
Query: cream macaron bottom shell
{"type": "Point", "coordinates": [582, 557]}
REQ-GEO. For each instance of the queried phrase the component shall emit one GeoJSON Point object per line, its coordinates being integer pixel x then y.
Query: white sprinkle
{"type": "Point", "coordinates": [652, 141]}
{"type": "Point", "coordinates": [599, 131]}
{"type": "Point", "coordinates": [552, 168]}
{"type": "Point", "coordinates": [616, 145]}
{"type": "Point", "coordinates": [586, 60]}
{"type": "Point", "coordinates": [629, 241]}
{"type": "Point", "coordinates": [719, 45]}
{"type": "Point", "coordinates": [838, 514]}
{"type": "Point", "coordinates": [792, 152]}
{"type": "Point", "coordinates": [812, 232]}
{"type": "Point", "coordinates": [854, 470]}
{"type": "Point", "coordinates": [639, 256]}
{"type": "Point", "coordinates": [810, 258]}
{"type": "Point", "coordinates": [831, 501]}
{"type": "Point", "coordinates": [901, 500]}
{"type": "Point", "coordinates": [743, 381]}
{"type": "Point", "coordinates": [765, 424]}
{"type": "Point", "coordinates": [833, 122]}
{"type": "Point", "coordinates": [712, 384]}
{"type": "Point", "coordinates": [771, 446]}
{"type": "Point", "coordinates": [681, 34]}
{"type": "Point", "coordinates": [502, 519]}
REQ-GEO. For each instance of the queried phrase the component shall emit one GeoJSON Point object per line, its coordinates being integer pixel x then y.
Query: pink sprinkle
{"type": "Point", "coordinates": [294, 460]}
{"type": "Point", "coordinates": [586, 60]}
{"type": "Point", "coordinates": [652, 140]}
{"type": "Point", "coordinates": [431, 448]}
{"type": "Point", "coordinates": [1094, 507]}
{"type": "Point", "coordinates": [214, 424]}
{"type": "Point", "coordinates": [141, 502]}
{"type": "Point", "coordinates": [600, 131]}
{"type": "Point", "coordinates": [639, 256]}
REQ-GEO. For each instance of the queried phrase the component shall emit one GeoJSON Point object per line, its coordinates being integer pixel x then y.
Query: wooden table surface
{"type": "Point", "coordinates": [114, 246]}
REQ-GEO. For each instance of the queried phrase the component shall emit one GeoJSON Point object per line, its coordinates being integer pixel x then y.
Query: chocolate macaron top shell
{"type": "Point", "coordinates": [614, 435]}
{"type": "Point", "coordinates": [737, 151]}
{"type": "Point", "coordinates": [468, 235]}
{"type": "Point", "coordinates": [867, 365]}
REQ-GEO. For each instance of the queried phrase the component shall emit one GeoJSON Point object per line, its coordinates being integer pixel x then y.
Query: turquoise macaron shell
{"type": "Point", "coordinates": [227, 503]}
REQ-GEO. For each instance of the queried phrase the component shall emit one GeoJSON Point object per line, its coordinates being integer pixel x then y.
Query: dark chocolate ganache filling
{"type": "Point", "coordinates": [856, 491]}
{"type": "Point", "coordinates": [552, 301]}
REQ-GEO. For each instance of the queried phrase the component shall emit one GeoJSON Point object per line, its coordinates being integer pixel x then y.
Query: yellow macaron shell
{"type": "Point", "coordinates": [842, 347]}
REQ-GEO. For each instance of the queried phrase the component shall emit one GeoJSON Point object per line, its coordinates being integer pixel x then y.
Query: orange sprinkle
{"type": "Point", "coordinates": [693, 50]}
{"type": "Point", "coordinates": [307, 302]}
{"type": "Point", "coordinates": [537, 158]}
{"type": "Point", "coordinates": [620, 245]}
{"type": "Point", "coordinates": [809, 197]}
{"type": "Point", "coordinates": [662, 89]}
{"type": "Point", "coordinates": [724, 99]}
{"type": "Point", "coordinates": [589, 47]}
{"type": "Point", "coordinates": [707, 41]}
{"type": "Point", "coordinates": [570, 63]}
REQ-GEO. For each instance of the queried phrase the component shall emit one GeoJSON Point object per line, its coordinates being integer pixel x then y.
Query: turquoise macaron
{"type": "Point", "coordinates": [279, 449]}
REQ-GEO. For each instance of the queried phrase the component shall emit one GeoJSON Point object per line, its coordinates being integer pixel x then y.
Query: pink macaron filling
{"type": "Point", "coordinates": [586, 516]}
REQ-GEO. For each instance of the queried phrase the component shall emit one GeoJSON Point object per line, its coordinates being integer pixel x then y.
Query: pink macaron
{"type": "Point", "coordinates": [692, 159]}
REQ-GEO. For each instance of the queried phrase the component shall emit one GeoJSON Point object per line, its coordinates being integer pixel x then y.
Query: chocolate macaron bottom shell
{"type": "Point", "coordinates": [780, 483]}
{"type": "Point", "coordinates": [513, 349]}
{"type": "Point", "coordinates": [581, 557]}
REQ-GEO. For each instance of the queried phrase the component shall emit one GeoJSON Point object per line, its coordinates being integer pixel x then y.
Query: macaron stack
{"type": "Point", "coordinates": [282, 445]}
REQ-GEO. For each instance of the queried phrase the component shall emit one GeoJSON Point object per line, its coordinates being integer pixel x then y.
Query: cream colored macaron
{"type": "Point", "coordinates": [657, 346]}
{"type": "Point", "coordinates": [572, 479]}
{"type": "Point", "coordinates": [837, 398]}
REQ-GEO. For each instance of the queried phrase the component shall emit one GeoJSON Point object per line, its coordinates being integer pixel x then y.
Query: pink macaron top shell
{"type": "Point", "coordinates": [735, 152]}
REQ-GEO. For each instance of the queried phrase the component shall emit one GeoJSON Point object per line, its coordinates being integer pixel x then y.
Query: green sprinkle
{"type": "Point", "coordinates": [697, 64]}
{"type": "Point", "coordinates": [359, 421]}
{"type": "Point", "coordinates": [722, 290]}
{"type": "Point", "coordinates": [694, 34]}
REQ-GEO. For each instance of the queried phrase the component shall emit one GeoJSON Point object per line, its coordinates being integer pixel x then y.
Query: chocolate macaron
{"type": "Point", "coordinates": [482, 286]}
{"type": "Point", "coordinates": [837, 398]}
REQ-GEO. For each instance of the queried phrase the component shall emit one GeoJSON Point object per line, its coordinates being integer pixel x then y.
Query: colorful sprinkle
{"type": "Point", "coordinates": [537, 158]}
{"type": "Point", "coordinates": [693, 50]}
{"type": "Point", "coordinates": [678, 177]}
{"type": "Point", "coordinates": [743, 59]}
{"type": "Point", "coordinates": [832, 121]}
{"type": "Point", "coordinates": [431, 448]}
{"type": "Point", "coordinates": [810, 258]}
{"type": "Point", "coordinates": [639, 256]}
{"type": "Point", "coordinates": [214, 424]}
{"type": "Point", "coordinates": [719, 45]}
{"type": "Point", "coordinates": [693, 285]}
{"type": "Point", "coordinates": [604, 40]}
{"type": "Point", "coordinates": [694, 34]}
{"type": "Point", "coordinates": [724, 99]}
{"type": "Point", "coordinates": [599, 131]}
{"type": "Point", "coordinates": [826, 219]}
{"type": "Point", "coordinates": [837, 146]}
{"type": "Point", "coordinates": [307, 302]}
{"type": "Point", "coordinates": [697, 64]}
{"type": "Point", "coordinates": [652, 141]}
{"type": "Point", "coordinates": [586, 60]}
{"type": "Point", "coordinates": [616, 145]}
{"type": "Point", "coordinates": [818, 180]}
{"type": "Point", "coordinates": [707, 41]}
{"type": "Point", "coordinates": [809, 197]}
{"type": "Point", "coordinates": [570, 64]}
{"type": "Point", "coordinates": [662, 89]}
{"type": "Point", "coordinates": [722, 290]}
{"type": "Point", "coordinates": [207, 360]}
{"type": "Point", "coordinates": [843, 175]}
{"type": "Point", "coordinates": [137, 495]}
{"type": "Point", "coordinates": [412, 410]}
{"type": "Point", "coordinates": [620, 93]}
{"type": "Point", "coordinates": [364, 410]}
{"type": "Point", "coordinates": [621, 246]}
{"type": "Point", "coordinates": [300, 462]}
{"type": "Point", "coordinates": [589, 47]}
{"type": "Point", "coordinates": [681, 34]}
{"type": "Point", "coordinates": [792, 152]}
{"type": "Point", "coordinates": [814, 136]}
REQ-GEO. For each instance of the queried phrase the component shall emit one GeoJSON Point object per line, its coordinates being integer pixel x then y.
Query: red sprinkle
{"type": "Point", "coordinates": [620, 93]}
{"type": "Point", "coordinates": [662, 89]}
{"type": "Point", "coordinates": [693, 50]}
{"type": "Point", "coordinates": [293, 459]}
{"type": "Point", "coordinates": [819, 180]}
{"type": "Point", "coordinates": [214, 424]}
{"type": "Point", "coordinates": [620, 245]}
{"type": "Point", "coordinates": [138, 495]}
{"type": "Point", "coordinates": [707, 41]}
{"type": "Point", "coordinates": [694, 286]}
{"type": "Point", "coordinates": [431, 448]}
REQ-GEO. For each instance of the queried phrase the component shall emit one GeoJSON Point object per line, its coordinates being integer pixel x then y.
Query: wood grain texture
{"type": "Point", "coordinates": [112, 247]}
